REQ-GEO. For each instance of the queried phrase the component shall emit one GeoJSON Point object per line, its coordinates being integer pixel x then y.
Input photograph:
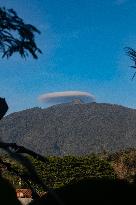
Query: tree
{"type": "Point", "coordinates": [19, 37]}
{"type": "Point", "coordinates": [16, 36]}
{"type": "Point", "coordinates": [132, 54]}
{"type": "Point", "coordinates": [3, 107]}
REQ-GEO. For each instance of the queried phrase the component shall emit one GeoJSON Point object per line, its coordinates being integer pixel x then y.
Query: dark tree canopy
{"type": "Point", "coordinates": [3, 107]}
{"type": "Point", "coordinates": [132, 54]}
{"type": "Point", "coordinates": [16, 36]}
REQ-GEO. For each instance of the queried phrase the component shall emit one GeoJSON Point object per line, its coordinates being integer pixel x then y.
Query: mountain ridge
{"type": "Point", "coordinates": [72, 129]}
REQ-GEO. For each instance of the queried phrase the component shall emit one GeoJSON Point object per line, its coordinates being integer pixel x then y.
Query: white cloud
{"type": "Point", "coordinates": [66, 96]}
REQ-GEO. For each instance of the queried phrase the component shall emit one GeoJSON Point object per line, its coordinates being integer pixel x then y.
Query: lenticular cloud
{"type": "Point", "coordinates": [66, 97]}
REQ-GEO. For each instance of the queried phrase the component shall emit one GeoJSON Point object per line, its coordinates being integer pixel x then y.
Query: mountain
{"type": "Point", "coordinates": [72, 129]}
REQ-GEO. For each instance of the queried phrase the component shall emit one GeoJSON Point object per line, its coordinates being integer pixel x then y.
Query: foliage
{"type": "Point", "coordinates": [16, 36]}
{"type": "Point", "coordinates": [124, 164]}
{"type": "Point", "coordinates": [62, 171]}
{"type": "Point", "coordinates": [69, 129]}
{"type": "Point", "coordinates": [132, 54]}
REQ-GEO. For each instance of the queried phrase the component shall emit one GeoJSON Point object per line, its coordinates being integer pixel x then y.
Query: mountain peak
{"type": "Point", "coordinates": [77, 101]}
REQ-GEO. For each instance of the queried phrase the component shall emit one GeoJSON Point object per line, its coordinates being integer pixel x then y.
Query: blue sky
{"type": "Point", "coordinates": [82, 43]}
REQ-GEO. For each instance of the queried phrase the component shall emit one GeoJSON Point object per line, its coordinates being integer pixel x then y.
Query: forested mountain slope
{"type": "Point", "coordinates": [72, 129]}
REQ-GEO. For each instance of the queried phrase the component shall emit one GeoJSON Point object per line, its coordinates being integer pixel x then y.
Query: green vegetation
{"type": "Point", "coordinates": [60, 171]}
{"type": "Point", "coordinates": [69, 129]}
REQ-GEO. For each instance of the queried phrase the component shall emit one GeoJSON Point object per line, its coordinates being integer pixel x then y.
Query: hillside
{"type": "Point", "coordinates": [72, 129]}
{"type": "Point", "coordinates": [59, 171]}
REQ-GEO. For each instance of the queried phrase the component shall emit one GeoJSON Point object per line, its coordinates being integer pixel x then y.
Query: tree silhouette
{"type": "Point", "coordinates": [3, 107]}
{"type": "Point", "coordinates": [16, 36]}
{"type": "Point", "coordinates": [132, 54]}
